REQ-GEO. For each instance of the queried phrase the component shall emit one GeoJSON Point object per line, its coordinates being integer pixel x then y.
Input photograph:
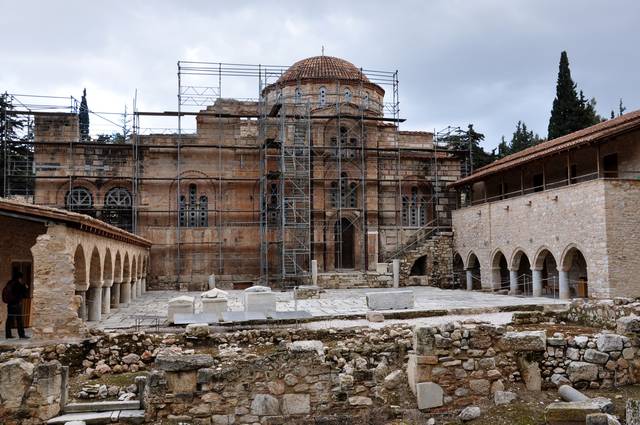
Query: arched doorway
{"type": "Point", "coordinates": [344, 244]}
{"type": "Point", "coordinates": [419, 267]}
{"type": "Point", "coordinates": [500, 269]}
{"type": "Point", "coordinates": [459, 275]}
{"type": "Point", "coordinates": [546, 264]}
{"type": "Point", "coordinates": [521, 263]}
{"type": "Point", "coordinates": [80, 280]}
{"type": "Point", "coordinates": [575, 265]}
{"type": "Point", "coordinates": [474, 267]}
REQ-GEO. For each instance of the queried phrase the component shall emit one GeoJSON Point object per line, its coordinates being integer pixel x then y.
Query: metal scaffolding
{"type": "Point", "coordinates": [313, 183]}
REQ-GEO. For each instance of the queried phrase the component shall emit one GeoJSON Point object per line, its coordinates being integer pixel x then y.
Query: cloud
{"type": "Point", "coordinates": [485, 62]}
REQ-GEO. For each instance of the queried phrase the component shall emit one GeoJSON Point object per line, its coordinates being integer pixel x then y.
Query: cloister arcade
{"type": "Point", "coordinates": [77, 267]}
{"type": "Point", "coordinates": [563, 274]}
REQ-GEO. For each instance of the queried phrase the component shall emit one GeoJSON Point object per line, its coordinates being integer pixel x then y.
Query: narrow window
{"type": "Point", "coordinates": [347, 95]}
{"type": "Point", "coordinates": [298, 95]}
{"type": "Point", "coordinates": [323, 96]}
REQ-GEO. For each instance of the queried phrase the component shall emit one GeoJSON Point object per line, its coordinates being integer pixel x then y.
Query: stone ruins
{"type": "Point", "coordinates": [299, 259]}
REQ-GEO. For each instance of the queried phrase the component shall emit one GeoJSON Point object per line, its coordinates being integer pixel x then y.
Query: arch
{"type": "Point", "coordinates": [520, 262]}
{"type": "Point", "coordinates": [419, 267]}
{"type": "Point", "coordinates": [473, 265]}
{"type": "Point", "coordinates": [344, 236]}
{"type": "Point", "coordinates": [139, 262]}
{"type": "Point", "coordinates": [117, 268]}
{"type": "Point", "coordinates": [94, 293]}
{"type": "Point", "coordinates": [80, 199]}
{"type": "Point", "coordinates": [80, 269]}
{"type": "Point", "coordinates": [574, 263]}
{"type": "Point", "coordinates": [134, 269]}
{"type": "Point", "coordinates": [500, 270]}
{"type": "Point", "coordinates": [545, 262]}
{"type": "Point", "coordinates": [459, 275]}
{"type": "Point", "coordinates": [126, 268]}
{"type": "Point", "coordinates": [118, 208]}
{"type": "Point", "coordinates": [95, 268]}
{"type": "Point", "coordinates": [107, 271]}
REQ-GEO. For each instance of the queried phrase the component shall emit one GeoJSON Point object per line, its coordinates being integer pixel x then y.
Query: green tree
{"type": "Point", "coordinates": [17, 151]}
{"type": "Point", "coordinates": [522, 139]}
{"type": "Point", "coordinates": [570, 112]}
{"type": "Point", "coordinates": [83, 117]}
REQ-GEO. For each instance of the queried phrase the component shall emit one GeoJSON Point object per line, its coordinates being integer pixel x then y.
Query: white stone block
{"type": "Point", "coordinates": [390, 300]}
{"type": "Point", "coordinates": [212, 281]}
{"type": "Point", "coordinates": [180, 305]}
{"type": "Point", "coordinates": [215, 306]}
{"type": "Point", "coordinates": [262, 302]}
{"type": "Point", "coordinates": [429, 394]}
{"type": "Point", "coordinates": [382, 268]}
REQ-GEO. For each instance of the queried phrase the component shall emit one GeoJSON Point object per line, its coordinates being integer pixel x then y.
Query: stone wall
{"type": "Point", "coordinates": [346, 280]}
{"type": "Point", "coordinates": [465, 361]}
{"type": "Point", "coordinates": [555, 220]}
{"type": "Point", "coordinates": [437, 267]}
{"type": "Point", "coordinates": [276, 376]}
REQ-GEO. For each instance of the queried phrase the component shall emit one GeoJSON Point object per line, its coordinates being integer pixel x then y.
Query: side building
{"type": "Point", "coordinates": [558, 219]}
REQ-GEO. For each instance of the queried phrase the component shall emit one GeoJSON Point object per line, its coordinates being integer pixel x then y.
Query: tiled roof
{"type": "Point", "coordinates": [587, 135]}
{"type": "Point", "coordinates": [322, 67]}
{"type": "Point", "coordinates": [81, 220]}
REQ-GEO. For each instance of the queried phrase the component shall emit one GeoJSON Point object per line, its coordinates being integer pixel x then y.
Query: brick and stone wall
{"type": "Point", "coordinates": [464, 361]}
{"type": "Point", "coordinates": [597, 217]}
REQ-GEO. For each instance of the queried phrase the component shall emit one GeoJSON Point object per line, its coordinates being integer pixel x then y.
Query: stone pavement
{"type": "Point", "coordinates": [332, 303]}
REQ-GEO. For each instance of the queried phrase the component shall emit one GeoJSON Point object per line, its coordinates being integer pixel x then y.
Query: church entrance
{"type": "Point", "coordinates": [344, 239]}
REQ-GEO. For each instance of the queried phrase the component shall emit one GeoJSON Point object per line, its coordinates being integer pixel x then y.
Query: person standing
{"type": "Point", "coordinates": [12, 295]}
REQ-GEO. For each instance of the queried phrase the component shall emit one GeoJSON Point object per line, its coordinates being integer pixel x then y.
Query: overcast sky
{"type": "Point", "coordinates": [490, 63]}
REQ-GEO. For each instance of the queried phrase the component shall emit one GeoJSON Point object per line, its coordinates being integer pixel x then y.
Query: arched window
{"type": "Point", "coordinates": [347, 95]}
{"type": "Point", "coordinates": [347, 193]}
{"type": "Point", "coordinates": [298, 95]}
{"type": "Point", "coordinates": [194, 210]}
{"type": "Point", "coordinates": [117, 208]}
{"type": "Point", "coordinates": [415, 208]}
{"type": "Point", "coordinates": [79, 199]}
{"type": "Point", "coordinates": [365, 100]}
{"type": "Point", "coordinates": [323, 96]}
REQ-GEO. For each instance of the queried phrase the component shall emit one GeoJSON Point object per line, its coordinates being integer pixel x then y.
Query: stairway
{"type": "Point", "coordinates": [102, 412]}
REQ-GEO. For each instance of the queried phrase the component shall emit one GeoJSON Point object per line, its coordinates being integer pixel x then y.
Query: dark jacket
{"type": "Point", "coordinates": [18, 290]}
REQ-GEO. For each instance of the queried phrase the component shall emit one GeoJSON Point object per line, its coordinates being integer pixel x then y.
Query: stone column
{"type": "Point", "coordinates": [537, 282]}
{"type": "Point", "coordinates": [314, 272]}
{"type": "Point", "coordinates": [94, 302]}
{"type": "Point", "coordinates": [139, 287]}
{"type": "Point", "coordinates": [115, 294]}
{"type": "Point", "coordinates": [565, 294]}
{"type": "Point", "coordinates": [133, 293]}
{"type": "Point", "coordinates": [82, 308]}
{"type": "Point", "coordinates": [513, 282]}
{"type": "Point", "coordinates": [125, 294]}
{"type": "Point", "coordinates": [106, 300]}
{"type": "Point", "coordinates": [469, 280]}
{"type": "Point", "coordinates": [396, 273]}
{"type": "Point", "coordinates": [144, 285]}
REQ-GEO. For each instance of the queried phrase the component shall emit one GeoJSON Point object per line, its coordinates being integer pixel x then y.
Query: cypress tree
{"type": "Point", "coordinates": [566, 113]}
{"type": "Point", "coordinates": [83, 117]}
{"type": "Point", "coordinates": [570, 112]}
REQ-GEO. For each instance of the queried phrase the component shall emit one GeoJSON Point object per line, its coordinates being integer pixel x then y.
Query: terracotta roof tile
{"type": "Point", "coordinates": [328, 67]}
{"type": "Point", "coordinates": [60, 215]}
{"type": "Point", "coordinates": [590, 134]}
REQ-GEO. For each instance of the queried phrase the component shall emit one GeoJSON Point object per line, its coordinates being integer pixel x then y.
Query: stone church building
{"type": "Point", "coordinates": [314, 169]}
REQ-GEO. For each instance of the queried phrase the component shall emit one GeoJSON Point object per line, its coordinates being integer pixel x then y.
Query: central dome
{"type": "Point", "coordinates": [323, 68]}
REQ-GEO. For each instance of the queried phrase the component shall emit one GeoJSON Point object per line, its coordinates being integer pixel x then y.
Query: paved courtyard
{"type": "Point", "coordinates": [331, 304]}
